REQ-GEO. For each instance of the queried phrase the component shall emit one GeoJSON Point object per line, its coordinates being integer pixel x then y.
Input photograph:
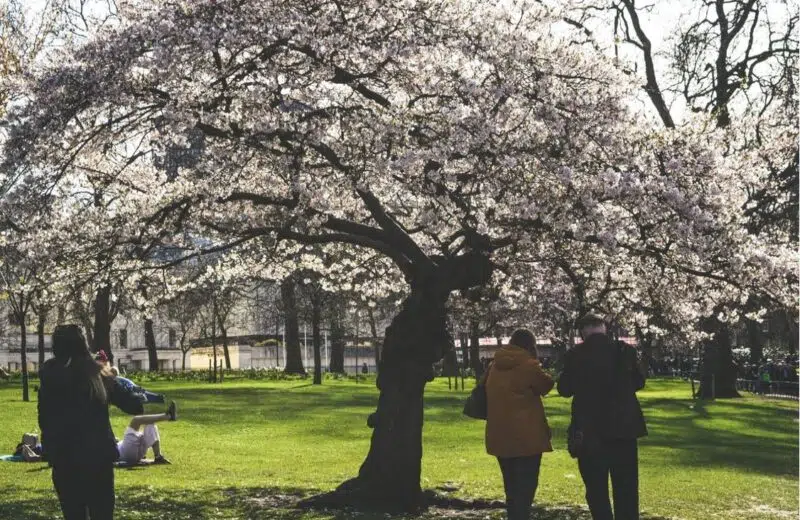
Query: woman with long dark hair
{"type": "Point", "coordinates": [74, 394]}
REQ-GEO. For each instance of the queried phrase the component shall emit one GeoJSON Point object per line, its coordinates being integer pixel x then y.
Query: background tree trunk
{"type": "Point", "coordinates": [373, 328]}
{"type": "Point", "coordinates": [755, 341]}
{"type": "Point", "coordinates": [337, 346]}
{"type": "Point", "coordinates": [718, 378]}
{"type": "Point", "coordinates": [465, 357]}
{"type": "Point", "coordinates": [225, 352]}
{"type": "Point", "coordinates": [102, 322]}
{"type": "Point", "coordinates": [150, 343]}
{"type": "Point", "coordinates": [474, 348]}
{"type": "Point", "coordinates": [294, 357]}
{"type": "Point", "coordinates": [214, 340]}
{"type": "Point", "coordinates": [86, 322]}
{"type": "Point", "coordinates": [316, 336]}
{"type": "Point", "coordinates": [646, 347]}
{"type": "Point", "coordinates": [23, 345]}
{"type": "Point", "coordinates": [61, 314]}
{"type": "Point", "coordinates": [40, 323]}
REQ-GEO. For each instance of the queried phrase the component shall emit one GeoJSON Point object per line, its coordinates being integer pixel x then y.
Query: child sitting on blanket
{"type": "Point", "coordinates": [29, 449]}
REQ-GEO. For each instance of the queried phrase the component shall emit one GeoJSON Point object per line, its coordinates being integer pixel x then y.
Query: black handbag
{"type": "Point", "coordinates": [477, 404]}
{"type": "Point", "coordinates": [579, 441]}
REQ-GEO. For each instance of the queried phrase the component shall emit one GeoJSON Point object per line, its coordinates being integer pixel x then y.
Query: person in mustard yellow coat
{"type": "Point", "coordinates": [516, 426]}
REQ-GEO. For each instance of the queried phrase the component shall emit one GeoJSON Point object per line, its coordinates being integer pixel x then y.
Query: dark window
{"type": "Point", "coordinates": [173, 337]}
{"type": "Point", "coordinates": [123, 338]}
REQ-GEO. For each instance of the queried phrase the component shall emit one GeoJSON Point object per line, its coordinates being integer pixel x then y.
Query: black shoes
{"type": "Point", "coordinates": [172, 411]}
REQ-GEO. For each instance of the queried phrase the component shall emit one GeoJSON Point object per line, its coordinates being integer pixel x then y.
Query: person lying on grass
{"type": "Point", "coordinates": [134, 444]}
{"type": "Point", "coordinates": [144, 395]}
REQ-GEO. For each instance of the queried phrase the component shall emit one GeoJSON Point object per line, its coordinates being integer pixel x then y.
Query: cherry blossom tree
{"type": "Point", "coordinates": [457, 143]}
{"type": "Point", "coordinates": [729, 63]}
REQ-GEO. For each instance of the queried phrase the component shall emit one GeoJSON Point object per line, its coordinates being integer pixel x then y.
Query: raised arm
{"type": "Point", "coordinates": [541, 382]}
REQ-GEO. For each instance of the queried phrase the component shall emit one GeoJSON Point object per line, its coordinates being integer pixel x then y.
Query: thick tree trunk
{"type": "Point", "coordinates": [102, 322]}
{"type": "Point", "coordinates": [183, 359]}
{"type": "Point", "coordinates": [294, 357]}
{"type": "Point", "coordinates": [389, 478]}
{"type": "Point", "coordinates": [23, 346]}
{"type": "Point", "coordinates": [40, 323]}
{"type": "Point", "coordinates": [150, 343]}
{"type": "Point", "coordinates": [337, 347]}
{"type": "Point", "coordinates": [718, 378]}
{"type": "Point", "coordinates": [316, 337]}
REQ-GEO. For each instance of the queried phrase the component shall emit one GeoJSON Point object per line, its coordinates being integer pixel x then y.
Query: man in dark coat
{"type": "Point", "coordinates": [602, 376]}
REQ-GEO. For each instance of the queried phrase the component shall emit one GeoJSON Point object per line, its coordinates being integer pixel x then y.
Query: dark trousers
{"type": "Point", "coordinates": [520, 480]}
{"type": "Point", "coordinates": [152, 397]}
{"type": "Point", "coordinates": [618, 458]}
{"type": "Point", "coordinates": [85, 492]}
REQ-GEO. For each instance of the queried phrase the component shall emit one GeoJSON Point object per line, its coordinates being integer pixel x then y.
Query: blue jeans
{"type": "Point", "coordinates": [149, 397]}
{"type": "Point", "coordinates": [520, 480]}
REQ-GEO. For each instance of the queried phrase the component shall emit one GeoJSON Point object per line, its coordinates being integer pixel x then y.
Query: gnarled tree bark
{"type": "Point", "coordinates": [389, 478]}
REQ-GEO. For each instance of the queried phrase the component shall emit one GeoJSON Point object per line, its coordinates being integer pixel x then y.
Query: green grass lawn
{"type": "Point", "coordinates": [246, 449]}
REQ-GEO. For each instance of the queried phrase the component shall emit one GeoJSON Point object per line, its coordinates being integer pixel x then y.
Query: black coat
{"type": "Point", "coordinates": [603, 376]}
{"type": "Point", "coordinates": [76, 429]}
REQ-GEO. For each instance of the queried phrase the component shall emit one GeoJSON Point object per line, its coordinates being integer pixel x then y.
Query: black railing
{"type": "Point", "coordinates": [769, 388]}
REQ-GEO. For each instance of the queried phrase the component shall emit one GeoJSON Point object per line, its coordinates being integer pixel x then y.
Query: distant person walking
{"type": "Point", "coordinates": [516, 427]}
{"type": "Point", "coordinates": [77, 438]}
{"type": "Point", "coordinates": [602, 376]}
{"type": "Point", "coordinates": [765, 380]}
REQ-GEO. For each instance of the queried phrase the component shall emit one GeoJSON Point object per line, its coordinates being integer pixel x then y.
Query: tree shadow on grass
{"type": "Point", "coordinates": [726, 433]}
{"type": "Point", "coordinates": [263, 503]}
{"type": "Point", "coordinates": [148, 503]}
{"type": "Point", "coordinates": [132, 503]}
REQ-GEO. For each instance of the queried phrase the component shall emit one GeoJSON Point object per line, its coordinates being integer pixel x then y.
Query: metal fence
{"type": "Point", "coordinates": [769, 389]}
